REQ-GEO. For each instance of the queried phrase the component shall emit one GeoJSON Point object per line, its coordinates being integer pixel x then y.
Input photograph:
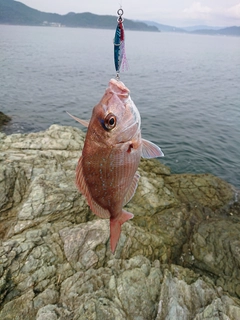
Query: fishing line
{"type": "Point", "coordinates": [120, 4]}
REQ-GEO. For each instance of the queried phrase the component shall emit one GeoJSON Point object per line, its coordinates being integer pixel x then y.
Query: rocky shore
{"type": "Point", "coordinates": [179, 258]}
{"type": "Point", "coordinates": [4, 119]}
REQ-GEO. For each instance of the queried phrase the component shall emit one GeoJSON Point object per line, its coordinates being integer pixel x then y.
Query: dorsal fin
{"type": "Point", "coordinates": [83, 122]}
{"type": "Point", "coordinates": [150, 150]}
{"type": "Point", "coordinates": [83, 188]}
{"type": "Point", "coordinates": [98, 210]}
{"type": "Point", "coordinates": [132, 189]}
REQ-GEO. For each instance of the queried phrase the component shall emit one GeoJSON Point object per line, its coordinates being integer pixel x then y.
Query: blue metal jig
{"type": "Point", "coordinates": [119, 44]}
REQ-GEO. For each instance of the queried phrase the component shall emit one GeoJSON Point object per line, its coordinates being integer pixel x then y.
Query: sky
{"type": "Point", "coordinates": [179, 13]}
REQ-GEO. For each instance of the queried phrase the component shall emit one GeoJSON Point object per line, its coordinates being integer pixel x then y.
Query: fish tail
{"type": "Point", "coordinates": [115, 228]}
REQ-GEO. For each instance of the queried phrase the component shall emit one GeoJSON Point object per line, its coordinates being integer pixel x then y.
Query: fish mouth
{"type": "Point", "coordinates": [119, 88]}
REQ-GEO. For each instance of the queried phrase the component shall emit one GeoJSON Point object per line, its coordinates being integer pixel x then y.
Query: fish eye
{"type": "Point", "coordinates": [110, 121]}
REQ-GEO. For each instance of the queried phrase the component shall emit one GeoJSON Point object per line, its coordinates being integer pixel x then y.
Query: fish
{"type": "Point", "coordinates": [106, 173]}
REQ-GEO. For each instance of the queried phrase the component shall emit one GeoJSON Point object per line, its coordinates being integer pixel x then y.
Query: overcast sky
{"type": "Point", "coordinates": [172, 12]}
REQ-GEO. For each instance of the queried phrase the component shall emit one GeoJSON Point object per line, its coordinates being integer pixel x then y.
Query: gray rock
{"type": "Point", "coordinates": [52, 312]}
{"type": "Point", "coordinates": [178, 258]}
{"type": "Point", "coordinates": [185, 295]}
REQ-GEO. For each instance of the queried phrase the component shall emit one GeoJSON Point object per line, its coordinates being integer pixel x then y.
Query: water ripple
{"type": "Point", "coordinates": [187, 88]}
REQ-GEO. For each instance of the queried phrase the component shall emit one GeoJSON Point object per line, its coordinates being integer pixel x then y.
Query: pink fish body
{"type": "Point", "coordinates": [106, 172]}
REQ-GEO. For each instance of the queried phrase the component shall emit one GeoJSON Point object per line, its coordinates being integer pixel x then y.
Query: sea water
{"type": "Point", "coordinates": [186, 87]}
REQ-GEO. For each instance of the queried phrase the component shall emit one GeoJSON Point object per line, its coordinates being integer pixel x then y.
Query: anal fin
{"type": "Point", "coordinates": [132, 189]}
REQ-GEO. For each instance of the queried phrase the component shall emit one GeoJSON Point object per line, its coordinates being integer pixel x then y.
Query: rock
{"type": "Point", "coordinates": [178, 258]}
{"type": "Point", "coordinates": [185, 295]}
{"type": "Point", "coordinates": [215, 249]}
{"type": "Point", "coordinates": [4, 119]}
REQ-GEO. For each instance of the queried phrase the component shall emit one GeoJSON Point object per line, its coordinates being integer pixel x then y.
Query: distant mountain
{"type": "Point", "coordinates": [163, 27]}
{"type": "Point", "coordinates": [229, 31]}
{"type": "Point", "coordinates": [194, 28]}
{"type": "Point", "coordinates": [17, 13]}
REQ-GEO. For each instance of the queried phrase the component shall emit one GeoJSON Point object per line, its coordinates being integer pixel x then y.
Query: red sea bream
{"type": "Point", "coordinates": [106, 173]}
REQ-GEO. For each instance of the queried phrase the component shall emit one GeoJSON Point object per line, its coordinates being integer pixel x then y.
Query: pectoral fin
{"type": "Point", "coordinates": [150, 150]}
{"type": "Point", "coordinates": [83, 122]}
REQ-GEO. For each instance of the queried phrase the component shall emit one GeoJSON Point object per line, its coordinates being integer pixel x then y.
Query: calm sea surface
{"type": "Point", "coordinates": [186, 87]}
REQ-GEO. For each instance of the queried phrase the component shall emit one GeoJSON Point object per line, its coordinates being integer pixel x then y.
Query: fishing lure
{"type": "Point", "coordinates": [119, 45]}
